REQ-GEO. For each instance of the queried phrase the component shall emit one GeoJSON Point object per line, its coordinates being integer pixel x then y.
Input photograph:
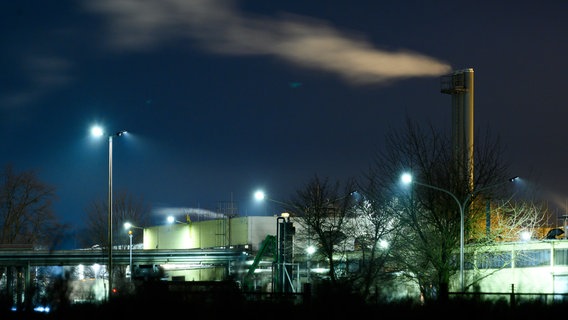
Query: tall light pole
{"type": "Point", "coordinates": [261, 196]}
{"type": "Point", "coordinates": [284, 243]}
{"type": "Point", "coordinates": [130, 256]}
{"type": "Point", "coordinates": [407, 178]}
{"type": "Point", "coordinates": [310, 250]}
{"type": "Point", "coordinates": [98, 131]}
{"type": "Point", "coordinates": [129, 227]}
{"type": "Point", "coordinates": [172, 219]}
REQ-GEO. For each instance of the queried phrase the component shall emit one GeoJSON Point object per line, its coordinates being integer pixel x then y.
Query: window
{"type": "Point", "coordinates": [532, 258]}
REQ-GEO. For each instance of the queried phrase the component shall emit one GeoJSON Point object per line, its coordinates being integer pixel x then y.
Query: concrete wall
{"type": "Point", "coordinates": [238, 231]}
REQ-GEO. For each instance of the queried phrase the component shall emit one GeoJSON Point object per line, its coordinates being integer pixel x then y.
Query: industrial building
{"type": "Point", "coordinates": [267, 244]}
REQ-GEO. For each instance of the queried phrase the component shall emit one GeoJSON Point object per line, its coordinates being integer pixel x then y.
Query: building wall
{"type": "Point", "coordinates": [219, 233]}
{"type": "Point", "coordinates": [245, 232]}
{"type": "Point", "coordinates": [539, 266]}
{"type": "Point", "coordinates": [528, 267]}
{"type": "Point", "coordinates": [197, 274]}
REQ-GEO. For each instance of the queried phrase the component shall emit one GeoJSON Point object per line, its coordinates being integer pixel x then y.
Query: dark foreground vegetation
{"type": "Point", "coordinates": [130, 308]}
{"type": "Point", "coordinates": [154, 302]}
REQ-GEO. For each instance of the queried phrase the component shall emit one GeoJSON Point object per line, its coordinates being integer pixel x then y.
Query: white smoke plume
{"type": "Point", "coordinates": [219, 27]}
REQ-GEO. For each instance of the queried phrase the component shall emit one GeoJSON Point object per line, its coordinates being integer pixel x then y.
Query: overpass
{"type": "Point", "coordinates": [19, 258]}
{"type": "Point", "coordinates": [23, 262]}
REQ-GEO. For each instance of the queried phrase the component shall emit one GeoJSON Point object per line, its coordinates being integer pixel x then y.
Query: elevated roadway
{"type": "Point", "coordinates": [119, 257]}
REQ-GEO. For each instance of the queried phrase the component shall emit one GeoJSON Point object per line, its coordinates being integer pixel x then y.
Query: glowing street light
{"type": "Point", "coordinates": [172, 219]}
{"type": "Point", "coordinates": [310, 250]}
{"type": "Point", "coordinates": [407, 179]}
{"type": "Point", "coordinates": [284, 234]}
{"type": "Point", "coordinates": [129, 226]}
{"type": "Point", "coordinates": [99, 132]}
{"type": "Point", "coordinates": [261, 196]}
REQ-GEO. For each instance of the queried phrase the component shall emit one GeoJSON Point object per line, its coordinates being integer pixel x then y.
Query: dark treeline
{"type": "Point", "coordinates": [155, 301]}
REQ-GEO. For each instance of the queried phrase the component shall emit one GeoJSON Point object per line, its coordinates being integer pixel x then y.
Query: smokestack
{"type": "Point", "coordinates": [460, 85]}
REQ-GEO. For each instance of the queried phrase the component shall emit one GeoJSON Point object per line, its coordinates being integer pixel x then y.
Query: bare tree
{"type": "Point", "coordinates": [26, 216]}
{"type": "Point", "coordinates": [375, 230]}
{"type": "Point", "coordinates": [431, 212]}
{"type": "Point", "coordinates": [322, 208]}
{"type": "Point", "coordinates": [126, 208]}
{"type": "Point", "coordinates": [510, 221]}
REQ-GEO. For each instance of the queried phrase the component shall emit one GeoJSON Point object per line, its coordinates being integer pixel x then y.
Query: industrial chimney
{"type": "Point", "coordinates": [460, 85]}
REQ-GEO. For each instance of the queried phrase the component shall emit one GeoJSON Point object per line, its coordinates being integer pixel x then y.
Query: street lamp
{"type": "Point", "coordinates": [261, 196]}
{"type": "Point", "coordinates": [98, 132]}
{"type": "Point", "coordinates": [284, 236]}
{"type": "Point", "coordinates": [129, 226]}
{"type": "Point", "coordinates": [130, 257]}
{"type": "Point", "coordinates": [310, 250]}
{"type": "Point", "coordinates": [172, 219]}
{"type": "Point", "coordinates": [407, 179]}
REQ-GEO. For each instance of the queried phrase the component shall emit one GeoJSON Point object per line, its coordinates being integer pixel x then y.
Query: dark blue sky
{"type": "Point", "coordinates": [224, 97]}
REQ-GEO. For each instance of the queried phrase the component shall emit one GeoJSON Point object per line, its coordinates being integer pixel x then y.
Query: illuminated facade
{"type": "Point", "coordinates": [539, 266]}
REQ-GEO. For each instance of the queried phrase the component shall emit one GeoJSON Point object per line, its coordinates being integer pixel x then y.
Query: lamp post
{"type": "Point", "coordinates": [129, 226]}
{"type": "Point", "coordinates": [172, 219]}
{"type": "Point", "coordinates": [407, 178]}
{"type": "Point", "coordinates": [130, 256]}
{"type": "Point", "coordinates": [261, 196]}
{"type": "Point", "coordinates": [98, 131]}
{"type": "Point", "coordinates": [284, 235]}
{"type": "Point", "coordinates": [310, 250]}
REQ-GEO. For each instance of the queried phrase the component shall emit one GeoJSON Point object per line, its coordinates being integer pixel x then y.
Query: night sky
{"type": "Point", "coordinates": [224, 97]}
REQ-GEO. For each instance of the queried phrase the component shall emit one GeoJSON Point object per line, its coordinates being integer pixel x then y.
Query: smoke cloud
{"type": "Point", "coordinates": [219, 27]}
